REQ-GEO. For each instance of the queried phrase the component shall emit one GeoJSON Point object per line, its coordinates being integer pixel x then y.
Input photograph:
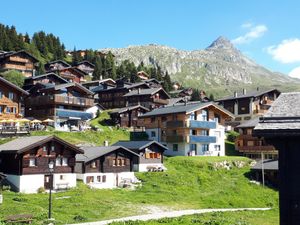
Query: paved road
{"type": "Point", "coordinates": [169, 214]}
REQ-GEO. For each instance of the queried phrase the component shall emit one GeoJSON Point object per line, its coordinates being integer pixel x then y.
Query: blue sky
{"type": "Point", "coordinates": [267, 31]}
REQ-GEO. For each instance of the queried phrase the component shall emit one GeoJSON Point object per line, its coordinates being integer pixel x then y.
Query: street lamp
{"type": "Point", "coordinates": [51, 170]}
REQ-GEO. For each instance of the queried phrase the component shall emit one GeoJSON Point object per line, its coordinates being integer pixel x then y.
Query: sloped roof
{"type": "Point", "coordinates": [91, 153]}
{"type": "Point", "coordinates": [10, 84]}
{"type": "Point", "coordinates": [121, 110]}
{"type": "Point", "coordinates": [247, 95]}
{"type": "Point", "coordinates": [150, 91]}
{"type": "Point", "coordinates": [11, 53]}
{"type": "Point", "coordinates": [249, 123]}
{"type": "Point", "coordinates": [173, 101]}
{"type": "Point", "coordinates": [62, 86]}
{"type": "Point", "coordinates": [22, 144]}
{"type": "Point", "coordinates": [283, 117]}
{"type": "Point", "coordinates": [184, 108]}
{"type": "Point", "coordinates": [85, 62]}
{"type": "Point", "coordinates": [58, 61]}
{"type": "Point", "coordinates": [45, 75]}
{"type": "Point", "coordinates": [138, 145]}
{"type": "Point", "coordinates": [268, 165]}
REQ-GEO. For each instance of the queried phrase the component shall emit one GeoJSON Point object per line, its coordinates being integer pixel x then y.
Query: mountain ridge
{"type": "Point", "coordinates": [220, 67]}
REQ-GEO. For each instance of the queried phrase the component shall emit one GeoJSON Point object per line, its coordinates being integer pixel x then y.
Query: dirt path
{"type": "Point", "coordinates": [170, 214]}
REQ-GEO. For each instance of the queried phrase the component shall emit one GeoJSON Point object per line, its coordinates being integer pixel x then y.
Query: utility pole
{"type": "Point", "coordinates": [262, 169]}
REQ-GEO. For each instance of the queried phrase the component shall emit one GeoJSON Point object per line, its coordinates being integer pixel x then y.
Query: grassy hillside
{"type": "Point", "coordinates": [189, 183]}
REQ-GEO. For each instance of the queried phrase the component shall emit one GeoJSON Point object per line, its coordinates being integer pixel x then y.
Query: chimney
{"type": "Point", "coordinates": [244, 91]}
{"type": "Point", "coordinates": [235, 94]}
{"type": "Point", "coordinates": [105, 143]}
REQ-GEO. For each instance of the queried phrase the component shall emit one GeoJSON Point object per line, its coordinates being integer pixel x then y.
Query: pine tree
{"type": "Point", "coordinates": [195, 95]}
{"type": "Point", "coordinates": [167, 82]}
{"type": "Point", "coordinates": [211, 97]}
{"type": "Point", "coordinates": [98, 69]}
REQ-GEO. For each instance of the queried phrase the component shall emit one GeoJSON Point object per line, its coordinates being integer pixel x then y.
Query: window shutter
{"type": "Point", "coordinates": [147, 155]}
{"type": "Point", "coordinates": [158, 155]}
{"type": "Point", "coordinates": [71, 162]}
{"type": "Point", "coordinates": [25, 163]}
{"type": "Point", "coordinates": [104, 178]}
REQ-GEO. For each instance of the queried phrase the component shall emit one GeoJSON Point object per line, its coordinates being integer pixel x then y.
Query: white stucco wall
{"type": "Point", "coordinates": [31, 183]}
{"type": "Point", "coordinates": [183, 149]}
{"type": "Point", "coordinates": [157, 134]}
{"type": "Point", "coordinates": [111, 179]}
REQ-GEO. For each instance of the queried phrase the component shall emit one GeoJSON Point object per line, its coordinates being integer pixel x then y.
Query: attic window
{"type": "Point", "coordinates": [93, 164]}
{"type": "Point", "coordinates": [44, 148]}
{"type": "Point", "coordinates": [52, 148]}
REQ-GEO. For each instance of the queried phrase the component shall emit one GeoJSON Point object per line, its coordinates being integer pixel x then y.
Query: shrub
{"type": "Point", "coordinates": [79, 218]}
{"type": "Point", "coordinates": [232, 135]}
{"type": "Point", "coordinates": [41, 190]}
{"type": "Point", "coordinates": [20, 199]}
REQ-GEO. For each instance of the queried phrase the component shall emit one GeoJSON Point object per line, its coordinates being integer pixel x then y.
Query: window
{"type": "Point", "coordinates": [44, 148]}
{"type": "Point", "coordinates": [153, 134]}
{"type": "Point", "coordinates": [192, 116]}
{"type": "Point", "coordinates": [61, 177]}
{"type": "Point", "coordinates": [193, 147]}
{"type": "Point", "coordinates": [0, 94]}
{"type": "Point", "coordinates": [217, 147]}
{"type": "Point", "coordinates": [93, 164]}
{"type": "Point", "coordinates": [58, 161]}
{"type": "Point", "coordinates": [204, 148]}
{"type": "Point", "coordinates": [204, 132]}
{"type": "Point", "coordinates": [64, 161]}
{"type": "Point", "coordinates": [154, 155]}
{"type": "Point", "coordinates": [204, 115]}
{"type": "Point", "coordinates": [119, 162]}
{"type": "Point", "coordinates": [99, 179]}
{"type": "Point", "coordinates": [104, 178]}
{"type": "Point", "coordinates": [52, 148]}
{"type": "Point", "coordinates": [89, 179]}
{"type": "Point", "coordinates": [175, 147]}
{"type": "Point", "coordinates": [11, 95]}
{"type": "Point", "coordinates": [8, 110]}
{"type": "Point", "coordinates": [0, 109]}
{"type": "Point", "coordinates": [14, 110]}
{"type": "Point", "coordinates": [32, 162]}
{"type": "Point", "coordinates": [114, 162]}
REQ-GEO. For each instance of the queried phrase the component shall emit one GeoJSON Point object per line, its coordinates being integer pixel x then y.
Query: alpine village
{"type": "Point", "coordinates": [88, 137]}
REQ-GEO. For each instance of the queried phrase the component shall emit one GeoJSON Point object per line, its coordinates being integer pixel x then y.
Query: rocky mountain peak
{"type": "Point", "coordinates": [221, 43]}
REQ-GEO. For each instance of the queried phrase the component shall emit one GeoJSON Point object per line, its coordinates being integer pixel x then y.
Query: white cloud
{"type": "Point", "coordinates": [253, 33]}
{"type": "Point", "coordinates": [295, 73]}
{"type": "Point", "coordinates": [288, 51]}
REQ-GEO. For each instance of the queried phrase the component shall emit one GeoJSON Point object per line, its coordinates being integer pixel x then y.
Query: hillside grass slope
{"type": "Point", "coordinates": [189, 183]}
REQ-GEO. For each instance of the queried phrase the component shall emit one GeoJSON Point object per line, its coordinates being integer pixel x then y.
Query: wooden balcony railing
{"type": "Point", "coordinates": [59, 99]}
{"type": "Point", "coordinates": [161, 101]}
{"type": "Point", "coordinates": [256, 148]}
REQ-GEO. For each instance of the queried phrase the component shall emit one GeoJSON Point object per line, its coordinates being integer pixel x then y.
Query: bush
{"type": "Point", "coordinates": [232, 135]}
{"type": "Point", "coordinates": [41, 190]}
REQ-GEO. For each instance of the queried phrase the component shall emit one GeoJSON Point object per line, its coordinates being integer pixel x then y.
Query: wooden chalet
{"type": "Point", "coordinates": [186, 93]}
{"type": "Point", "coordinates": [25, 162]}
{"type": "Point", "coordinates": [20, 61]}
{"type": "Point", "coordinates": [252, 146]}
{"type": "Point", "coordinates": [280, 127]}
{"type": "Point", "coordinates": [86, 66]}
{"type": "Point", "coordinates": [188, 129]}
{"type": "Point", "coordinates": [113, 97]}
{"type": "Point", "coordinates": [11, 97]}
{"type": "Point", "coordinates": [73, 74]}
{"type": "Point", "coordinates": [270, 168]}
{"type": "Point", "coordinates": [128, 116]}
{"type": "Point", "coordinates": [64, 103]}
{"type": "Point", "coordinates": [151, 154]}
{"type": "Point", "coordinates": [143, 75]}
{"type": "Point", "coordinates": [106, 166]}
{"type": "Point", "coordinates": [246, 105]}
{"type": "Point", "coordinates": [56, 65]}
{"type": "Point", "coordinates": [150, 98]}
{"type": "Point", "coordinates": [99, 84]}
{"type": "Point", "coordinates": [48, 78]}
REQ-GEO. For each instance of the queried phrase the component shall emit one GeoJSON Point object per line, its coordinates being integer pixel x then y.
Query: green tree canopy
{"type": "Point", "coordinates": [15, 77]}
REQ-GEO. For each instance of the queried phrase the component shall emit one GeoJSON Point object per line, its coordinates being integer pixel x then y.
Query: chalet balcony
{"type": "Point", "coordinates": [259, 148]}
{"type": "Point", "coordinates": [202, 124]}
{"type": "Point", "coordinates": [160, 101]}
{"type": "Point", "coordinates": [175, 138]}
{"type": "Point", "coordinates": [59, 99]}
{"type": "Point", "coordinates": [202, 139]}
